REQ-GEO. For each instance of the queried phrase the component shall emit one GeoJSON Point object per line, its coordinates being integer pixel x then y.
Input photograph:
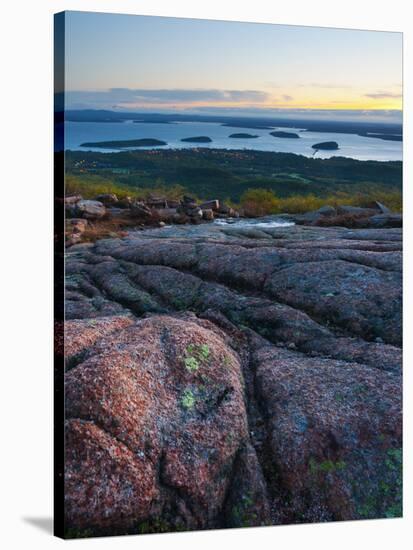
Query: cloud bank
{"type": "Point", "coordinates": [383, 95]}
{"type": "Point", "coordinates": [127, 98]}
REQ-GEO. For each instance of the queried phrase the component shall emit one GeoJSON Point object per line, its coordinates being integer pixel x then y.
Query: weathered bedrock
{"type": "Point", "coordinates": [230, 376]}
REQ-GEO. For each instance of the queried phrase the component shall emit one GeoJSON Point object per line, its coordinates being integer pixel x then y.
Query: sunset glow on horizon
{"type": "Point", "coordinates": [158, 63]}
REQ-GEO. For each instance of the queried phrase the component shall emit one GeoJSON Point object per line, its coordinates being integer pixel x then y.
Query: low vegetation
{"type": "Point", "coordinates": [254, 201]}
{"type": "Point", "coordinates": [262, 202]}
{"type": "Point", "coordinates": [91, 185]}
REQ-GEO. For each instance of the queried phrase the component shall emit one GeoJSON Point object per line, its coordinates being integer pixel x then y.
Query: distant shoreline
{"type": "Point", "coordinates": [362, 128]}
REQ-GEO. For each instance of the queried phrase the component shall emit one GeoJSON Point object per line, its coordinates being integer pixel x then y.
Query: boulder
{"type": "Point", "coordinates": [186, 200]}
{"type": "Point", "coordinates": [156, 202]}
{"type": "Point", "coordinates": [312, 216]}
{"type": "Point", "coordinates": [125, 202]}
{"type": "Point", "coordinates": [224, 209]}
{"type": "Point", "coordinates": [208, 214]}
{"type": "Point", "coordinates": [72, 199]}
{"type": "Point", "coordinates": [155, 422]}
{"type": "Point", "coordinates": [166, 214]}
{"type": "Point", "coordinates": [227, 211]}
{"type": "Point", "coordinates": [141, 210]}
{"type": "Point", "coordinates": [194, 212]}
{"type": "Point", "coordinates": [356, 210]}
{"type": "Point", "coordinates": [115, 212]}
{"type": "Point", "coordinates": [386, 220]}
{"type": "Point", "coordinates": [335, 436]}
{"type": "Point", "coordinates": [213, 205]}
{"type": "Point", "coordinates": [108, 199]}
{"type": "Point", "coordinates": [76, 225]}
{"type": "Point", "coordinates": [327, 211]}
{"type": "Point", "coordinates": [90, 210]}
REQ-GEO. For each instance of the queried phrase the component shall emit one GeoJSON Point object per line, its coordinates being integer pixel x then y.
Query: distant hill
{"type": "Point", "coordinates": [263, 123]}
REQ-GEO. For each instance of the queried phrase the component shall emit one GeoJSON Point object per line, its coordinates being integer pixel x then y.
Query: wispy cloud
{"type": "Point", "coordinates": [127, 97]}
{"type": "Point", "coordinates": [287, 97]}
{"type": "Point", "coordinates": [325, 85]}
{"type": "Point", "coordinates": [383, 95]}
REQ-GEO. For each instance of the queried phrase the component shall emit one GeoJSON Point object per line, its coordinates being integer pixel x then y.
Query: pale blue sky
{"type": "Point", "coordinates": [137, 62]}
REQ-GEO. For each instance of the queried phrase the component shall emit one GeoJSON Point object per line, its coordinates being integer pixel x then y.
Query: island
{"type": "Point", "coordinates": [290, 135]}
{"type": "Point", "coordinates": [198, 139]}
{"type": "Point", "coordinates": [125, 143]}
{"type": "Point", "coordinates": [326, 145]}
{"type": "Point", "coordinates": [153, 121]}
{"type": "Point", "coordinates": [243, 136]}
{"type": "Point", "coordinates": [387, 137]}
{"type": "Point", "coordinates": [252, 125]}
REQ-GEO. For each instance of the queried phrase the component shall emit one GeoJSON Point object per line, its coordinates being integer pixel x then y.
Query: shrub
{"type": "Point", "coordinates": [262, 202]}
{"type": "Point", "coordinates": [259, 202]}
{"type": "Point", "coordinates": [91, 185]}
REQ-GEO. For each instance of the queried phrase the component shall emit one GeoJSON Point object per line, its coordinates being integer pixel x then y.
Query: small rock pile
{"type": "Point", "coordinates": [152, 211]}
{"type": "Point", "coordinates": [376, 215]}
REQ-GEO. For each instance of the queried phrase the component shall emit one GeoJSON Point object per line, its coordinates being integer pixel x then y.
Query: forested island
{"type": "Point", "coordinates": [326, 146]}
{"type": "Point", "coordinates": [288, 135]}
{"type": "Point", "coordinates": [243, 136]}
{"type": "Point", "coordinates": [197, 139]}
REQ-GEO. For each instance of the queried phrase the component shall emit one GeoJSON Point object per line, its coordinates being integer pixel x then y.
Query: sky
{"type": "Point", "coordinates": [161, 64]}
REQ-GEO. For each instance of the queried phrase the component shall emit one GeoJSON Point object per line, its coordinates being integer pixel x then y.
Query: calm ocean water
{"type": "Point", "coordinates": [351, 145]}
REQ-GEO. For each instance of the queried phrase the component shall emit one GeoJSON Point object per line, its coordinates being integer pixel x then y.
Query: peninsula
{"type": "Point", "coordinates": [125, 143]}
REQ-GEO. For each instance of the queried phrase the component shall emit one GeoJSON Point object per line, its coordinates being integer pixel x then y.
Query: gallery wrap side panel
{"type": "Point", "coordinates": [59, 82]}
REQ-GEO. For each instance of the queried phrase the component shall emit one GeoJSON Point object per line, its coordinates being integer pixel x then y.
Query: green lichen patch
{"type": "Point", "coordinates": [327, 466]}
{"type": "Point", "coordinates": [191, 364]}
{"type": "Point", "coordinates": [196, 355]}
{"type": "Point", "coordinates": [188, 399]}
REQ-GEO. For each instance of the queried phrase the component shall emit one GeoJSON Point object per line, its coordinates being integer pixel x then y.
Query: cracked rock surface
{"type": "Point", "coordinates": [222, 376]}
